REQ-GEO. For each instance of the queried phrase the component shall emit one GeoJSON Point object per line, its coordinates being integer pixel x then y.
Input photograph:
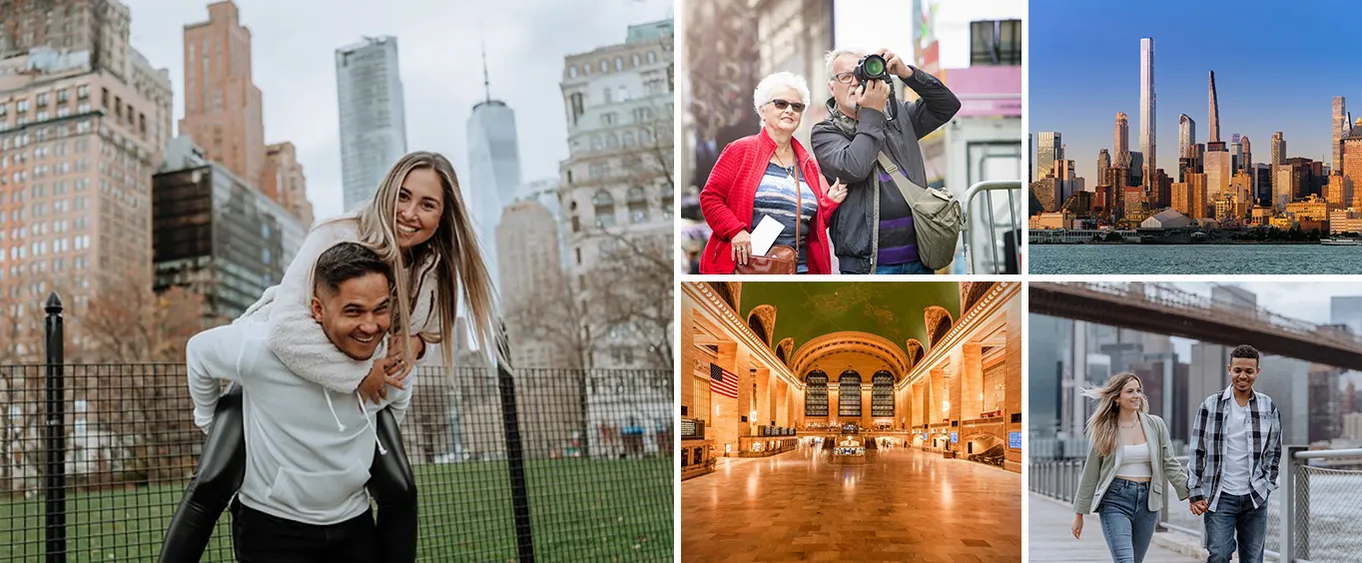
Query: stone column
{"type": "Point", "coordinates": [1012, 387]}
{"type": "Point", "coordinates": [726, 412]}
{"type": "Point", "coordinates": [688, 355]}
{"type": "Point", "coordinates": [971, 380]}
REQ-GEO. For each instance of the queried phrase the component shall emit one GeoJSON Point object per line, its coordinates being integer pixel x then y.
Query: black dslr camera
{"type": "Point", "coordinates": [871, 67]}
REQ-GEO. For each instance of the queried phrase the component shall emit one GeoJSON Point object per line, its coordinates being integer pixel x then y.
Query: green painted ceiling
{"type": "Point", "coordinates": [807, 310]}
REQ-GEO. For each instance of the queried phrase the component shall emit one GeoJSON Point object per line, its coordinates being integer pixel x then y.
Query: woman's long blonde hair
{"type": "Point", "coordinates": [455, 245]}
{"type": "Point", "coordinates": [1102, 426]}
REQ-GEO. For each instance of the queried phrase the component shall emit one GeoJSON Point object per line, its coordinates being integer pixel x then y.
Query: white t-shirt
{"type": "Point", "coordinates": [1238, 462]}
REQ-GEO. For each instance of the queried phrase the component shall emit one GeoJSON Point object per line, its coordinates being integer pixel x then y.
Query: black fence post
{"type": "Point", "coordinates": [515, 456]}
{"type": "Point", "coordinates": [55, 480]}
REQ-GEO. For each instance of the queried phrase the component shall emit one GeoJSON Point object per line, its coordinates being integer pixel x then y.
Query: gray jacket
{"type": "Point", "coordinates": [847, 148]}
{"type": "Point", "coordinates": [1099, 470]}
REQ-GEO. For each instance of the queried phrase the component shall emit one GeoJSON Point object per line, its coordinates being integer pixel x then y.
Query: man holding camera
{"type": "Point", "coordinates": [872, 231]}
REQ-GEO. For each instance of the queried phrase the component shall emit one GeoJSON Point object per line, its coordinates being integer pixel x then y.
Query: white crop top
{"type": "Point", "coordinates": [1135, 462]}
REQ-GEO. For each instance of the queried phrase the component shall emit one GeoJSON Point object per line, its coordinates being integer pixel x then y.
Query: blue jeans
{"type": "Point", "coordinates": [1235, 513]}
{"type": "Point", "coordinates": [908, 268]}
{"type": "Point", "coordinates": [1127, 522]}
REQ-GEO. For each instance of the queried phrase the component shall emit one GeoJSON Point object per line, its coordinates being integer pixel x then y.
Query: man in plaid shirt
{"type": "Point", "coordinates": [1232, 467]}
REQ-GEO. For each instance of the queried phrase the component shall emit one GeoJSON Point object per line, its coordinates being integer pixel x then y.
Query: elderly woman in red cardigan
{"type": "Point", "coordinates": [756, 176]}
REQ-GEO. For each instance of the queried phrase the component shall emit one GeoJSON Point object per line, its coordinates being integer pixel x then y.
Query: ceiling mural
{"type": "Point", "coordinates": [887, 309]}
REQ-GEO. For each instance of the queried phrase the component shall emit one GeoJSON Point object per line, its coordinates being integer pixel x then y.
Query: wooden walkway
{"type": "Point", "coordinates": [1049, 538]}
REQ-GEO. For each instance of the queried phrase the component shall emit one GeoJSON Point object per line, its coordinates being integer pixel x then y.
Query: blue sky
{"type": "Point", "coordinates": [1277, 67]}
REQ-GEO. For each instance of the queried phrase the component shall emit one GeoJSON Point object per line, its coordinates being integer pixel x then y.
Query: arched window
{"type": "Point", "coordinates": [586, 69]}
{"type": "Point", "coordinates": [605, 67]}
{"type": "Point", "coordinates": [619, 63]}
{"type": "Point", "coordinates": [816, 394]}
{"type": "Point", "coordinates": [638, 205]}
{"type": "Point", "coordinates": [605, 208]}
{"type": "Point", "coordinates": [629, 139]}
{"type": "Point", "coordinates": [849, 394]}
{"type": "Point", "coordinates": [572, 72]}
{"type": "Point", "coordinates": [612, 141]}
{"type": "Point", "coordinates": [652, 57]}
{"type": "Point", "coordinates": [882, 394]}
{"type": "Point", "coordinates": [637, 60]}
{"type": "Point", "coordinates": [758, 328]}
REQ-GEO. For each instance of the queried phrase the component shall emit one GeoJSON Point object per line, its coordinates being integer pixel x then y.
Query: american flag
{"type": "Point", "coordinates": [722, 381]}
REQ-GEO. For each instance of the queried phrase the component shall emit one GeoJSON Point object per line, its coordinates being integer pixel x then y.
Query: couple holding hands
{"type": "Point", "coordinates": [1232, 465]}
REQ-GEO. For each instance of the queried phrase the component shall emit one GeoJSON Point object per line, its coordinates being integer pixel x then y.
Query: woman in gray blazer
{"type": "Point", "coordinates": [1130, 459]}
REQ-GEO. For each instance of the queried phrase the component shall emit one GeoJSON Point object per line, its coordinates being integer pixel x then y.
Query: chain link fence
{"type": "Point", "coordinates": [102, 457]}
{"type": "Point", "coordinates": [1328, 505]}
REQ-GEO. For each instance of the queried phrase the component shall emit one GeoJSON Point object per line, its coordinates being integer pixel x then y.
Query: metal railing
{"type": "Point", "coordinates": [1318, 507]}
{"type": "Point", "coordinates": [563, 465]}
{"type": "Point", "coordinates": [991, 257]}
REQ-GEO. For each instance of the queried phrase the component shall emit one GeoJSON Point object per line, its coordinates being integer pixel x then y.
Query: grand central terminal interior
{"type": "Point", "coordinates": [850, 420]}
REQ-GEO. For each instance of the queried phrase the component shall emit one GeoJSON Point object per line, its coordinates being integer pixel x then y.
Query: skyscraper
{"type": "Point", "coordinates": [493, 167]}
{"type": "Point", "coordinates": [531, 272]}
{"type": "Point", "coordinates": [1121, 140]}
{"type": "Point", "coordinates": [1217, 167]}
{"type": "Point", "coordinates": [1246, 161]}
{"type": "Point", "coordinates": [373, 124]}
{"type": "Point", "coordinates": [1103, 162]}
{"type": "Point", "coordinates": [222, 106]}
{"type": "Point", "coordinates": [1186, 136]}
{"type": "Point", "coordinates": [1341, 129]}
{"type": "Point", "coordinates": [1049, 151]}
{"type": "Point", "coordinates": [1147, 111]}
{"type": "Point", "coordinates": [1352, 162]}
{"type": "Point", "coordinates": [1236, 153]}
{"type": "Point", "coordinates": [1278, 148]}
{"type": "Point", "coordinates": [1214, 111]}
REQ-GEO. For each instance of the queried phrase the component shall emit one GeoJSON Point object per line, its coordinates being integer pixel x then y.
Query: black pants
{"type": "Point", "coordinates": [262, 538]}
{"type": "Point", "coordinates": [223, 465]}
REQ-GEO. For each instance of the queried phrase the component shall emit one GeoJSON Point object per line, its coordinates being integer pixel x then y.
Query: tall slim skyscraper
{"type": "Point", "coordinates": [1341, 129]}
{"type": "Point", "coordinates": [373, 124]}
{"type": "Point", "coordinates": [1148, 144]}
{"type": "Point", "coordinates": [1214, 111]}
{"type": "Point", "coordinates": [1049, 151]}
{"type": "Point", "coordinates": [1247, 152]}
{"type": "Point", "coordinates": [222, 106]}
{"type": "Point", "coordinates": [1103, 162]}
{"type": "Point", "coordinates": [1121, 140]}
{"type": "Point", "coordinates": [493, 167]}
{"type": "Point", "coordinates": [1278, 148]}
{"type": "Point", "coordinates": [1186, 136]}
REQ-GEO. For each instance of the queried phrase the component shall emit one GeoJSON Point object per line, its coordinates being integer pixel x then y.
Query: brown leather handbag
{"type": "Point", "coordinates": [780, 259]}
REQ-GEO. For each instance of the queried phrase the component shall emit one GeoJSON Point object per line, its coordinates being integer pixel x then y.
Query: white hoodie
{"type": "Point", "coordinates": [308, 449]}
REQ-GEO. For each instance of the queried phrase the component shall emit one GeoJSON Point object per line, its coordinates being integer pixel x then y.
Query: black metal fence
{"type": "Point", "coordinates": [546, 464]}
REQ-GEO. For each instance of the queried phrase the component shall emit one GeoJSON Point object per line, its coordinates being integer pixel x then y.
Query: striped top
{"type": "Point", "coordinates": [898, 239]}
{"type": "Point", "coordinates": [776, 197]}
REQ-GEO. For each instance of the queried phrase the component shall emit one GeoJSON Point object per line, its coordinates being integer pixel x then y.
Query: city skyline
{"type": "Point", "coordinates": [1249, 103]}
{"type": "Point", "coordinates": [294, 67]}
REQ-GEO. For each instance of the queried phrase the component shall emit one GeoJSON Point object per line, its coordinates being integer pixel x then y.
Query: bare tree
{"type": "Point", "coordinates": [126, 322]}
{"type": "Point", "coordinates": [551, 316]}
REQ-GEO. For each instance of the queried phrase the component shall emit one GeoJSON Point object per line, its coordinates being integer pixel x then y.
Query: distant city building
{"type": "Point", "coordinates": [1218, 172]}
{"type": "Point", "coordinates": [373, 122]}
{"type": "Point", "coordinates": [216, 234]}
{"type": "Point", "coordinates": [494, 168]}
{"type": "Point", "coordinates": [1352, 164]}
{"type": "Point", "coordinates": [1342, 129]}
{"type": "Point", "coordinates": [1346, 311]}
{"type": "Point", "coordinates": [1048, 154]}
{"type": "Point", "coordinates": [1214, 111]}
{"type": "Point", "coordinates": [1148, 119]}
{"type": "Point", "coordinates": [222, 106]}
{"type": "Point", "coordinates": [617, 179]}
{"type": "Point", "coordinates": [96, 115]}
{"type": "Point", "coordinates": [283, 181]}
{"type": "Point", "coordinates": [1352, 424]}
{"type": "Point", "coordinates": [1186, 136]}
{"type": "Point", "coordinates": [532, 275]}
{"type": "Point", "coordinates": [1121, 141]}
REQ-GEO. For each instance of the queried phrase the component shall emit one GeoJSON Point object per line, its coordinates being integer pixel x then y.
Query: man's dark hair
{"type": "Point", "coordinates": [347, 261]}
{"type": "Point", "coordinates": [1246, 351]}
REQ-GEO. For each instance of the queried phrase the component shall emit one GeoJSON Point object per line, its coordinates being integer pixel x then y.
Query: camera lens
{"type": "Point", "coordinates": [874, 66]}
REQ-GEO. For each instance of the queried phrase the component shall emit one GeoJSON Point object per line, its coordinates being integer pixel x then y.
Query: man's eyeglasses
{"type": "Point", "coordinates": [782, 105]}
{"type": "Point", "coordinates": [844, 78]}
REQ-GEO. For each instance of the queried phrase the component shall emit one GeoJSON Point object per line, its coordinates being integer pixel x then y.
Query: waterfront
{"type": "Point", "coordinates": [1072, 259]}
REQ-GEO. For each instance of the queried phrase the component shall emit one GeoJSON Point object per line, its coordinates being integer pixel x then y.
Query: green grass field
{"type": "Point", "coordinates": [581, 510]}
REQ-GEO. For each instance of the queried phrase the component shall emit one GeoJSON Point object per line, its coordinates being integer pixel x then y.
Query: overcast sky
{"type": "Point", "coordinates": [1307, 301]}
{"type": "Point", "coordinates": [293, 61]}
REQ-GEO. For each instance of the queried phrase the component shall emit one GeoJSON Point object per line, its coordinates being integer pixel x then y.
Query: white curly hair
{"type": "Point", "coordinates": [768, 86]}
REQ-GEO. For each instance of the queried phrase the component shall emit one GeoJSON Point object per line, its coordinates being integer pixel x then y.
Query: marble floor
{"type": "Point", "coordinates": [906, 505]}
